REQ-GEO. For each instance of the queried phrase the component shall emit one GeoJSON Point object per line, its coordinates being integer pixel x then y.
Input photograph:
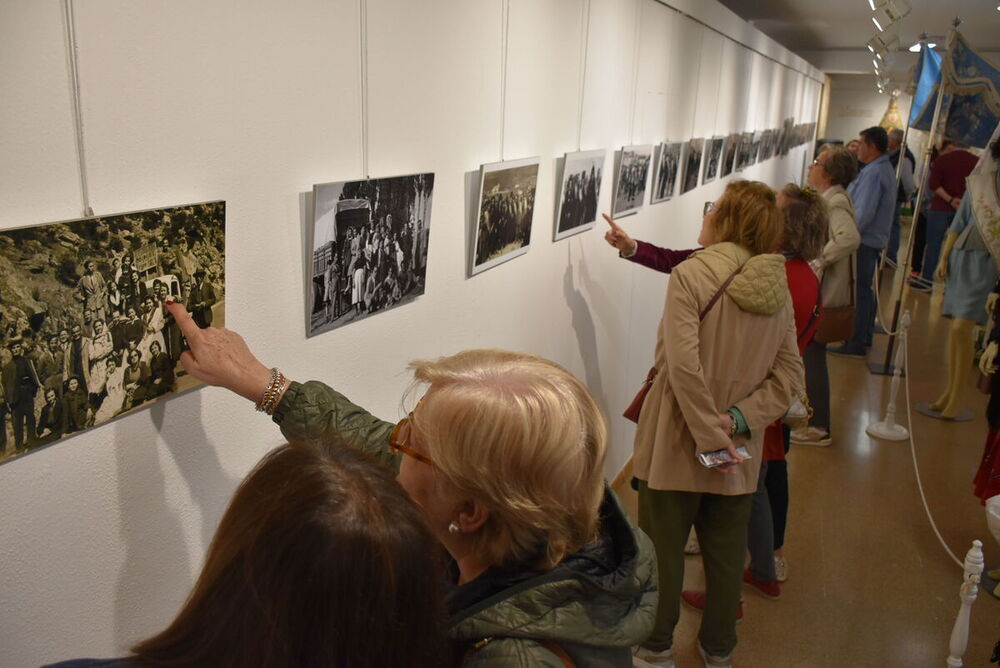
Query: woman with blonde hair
{"type": "Point", "coordinates": [504, 457]}
{"type": "Point", "coordinates": [727, 366]}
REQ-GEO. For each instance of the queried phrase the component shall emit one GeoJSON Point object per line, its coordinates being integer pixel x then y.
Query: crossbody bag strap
{"type": "Point", "coordinates": [556, 649]}
{"type": "Point", "coordinates": [817, 309]}
{"type": "Point", "coordinates": [718, 294]}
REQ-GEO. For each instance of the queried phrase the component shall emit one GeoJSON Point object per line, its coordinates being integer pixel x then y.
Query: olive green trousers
{"type": "Point", "coordinates": [721, 524]}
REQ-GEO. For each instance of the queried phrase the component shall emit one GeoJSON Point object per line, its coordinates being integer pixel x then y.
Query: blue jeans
{"type": "Point", "coordinates": [864, 317]}
{"type": "Point", "coordinates": [938, 223]}
{"type": "Point", "coordinates": [892, 251]}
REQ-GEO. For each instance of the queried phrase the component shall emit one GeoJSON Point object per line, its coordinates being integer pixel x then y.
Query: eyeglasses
{"type": "Point", "coordinates": [399, 437]}
{"type": "Point", "coordinates": [709, 208]}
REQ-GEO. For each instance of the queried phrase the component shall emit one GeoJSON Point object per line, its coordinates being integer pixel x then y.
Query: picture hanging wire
{"type": "Point", "coordinates": [697, 77]}
{"type": "Point", "coordinates": [635, 71]}
{"type": "Point", "coordinates": [363, 19]}
{"type": "Point", "coordinates": [718, 91]}
{"type": "Point", "coordinates": [584, 50]}
{"type": "Point", "coordinates": [74, 75]}
{"type": "Point", "coordinates": [504, 42]}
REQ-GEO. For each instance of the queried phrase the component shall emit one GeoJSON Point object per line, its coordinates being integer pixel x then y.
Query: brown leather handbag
{"type": "Point", "coordinates": [837, 323]}
{"type": "Point", "coordinates": [634, 408]}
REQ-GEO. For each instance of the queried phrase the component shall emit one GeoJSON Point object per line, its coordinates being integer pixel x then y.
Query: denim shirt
{"type": "Point", "coordinates": [874, 197]}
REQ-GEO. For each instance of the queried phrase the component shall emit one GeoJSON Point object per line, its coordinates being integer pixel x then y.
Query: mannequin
{"type": "Point", "coordinates": [968, 265]}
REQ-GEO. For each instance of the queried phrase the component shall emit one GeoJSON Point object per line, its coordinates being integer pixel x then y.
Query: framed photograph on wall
{"type": "Point", "coordinates": [668, 162]}
{"type": "Point", "coordinates": [86, 336]}
{"type": "Point", "coordinates": [743, 155]}
{"type": "Point", "coordinates": [581, 188]}
{"type": "Point", "coordinates": [693, 152]}
{"type": "Point", "coordinates": [716, 152]}
{"type": "Point", "coordinates": [369, 247]}
{"type": "Point", "coordinates": [729, 154]}
{"type": "Point", "coordinates": [630, 184]}
{"type": "Point", "coordinates": [506, 208]}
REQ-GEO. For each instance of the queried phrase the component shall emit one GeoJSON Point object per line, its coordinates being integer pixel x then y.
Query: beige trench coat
{"type": "Point", "coordinates": [838, 253]}
{"type": "Point", "coordinates": [735, 357]}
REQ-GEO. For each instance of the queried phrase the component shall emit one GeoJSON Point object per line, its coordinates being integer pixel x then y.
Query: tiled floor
{"type": "Point", "coordinates": [869, 584]}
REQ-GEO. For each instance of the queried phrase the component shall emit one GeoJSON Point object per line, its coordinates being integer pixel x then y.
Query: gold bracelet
{"type": "Point", "coordinates": [269, 389]}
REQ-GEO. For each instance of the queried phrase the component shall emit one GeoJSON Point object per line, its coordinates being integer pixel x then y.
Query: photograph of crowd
{"type": "Point", "coordinates": [743, 155]}
{"type": "Point", "coordinates": [729, 154]}
{"type": "Point", "coordinates": [85, 331]}
{"type": "Point", "coordinates": [581, 187]}
{"type": "Point", "coordinates": [785, 139]}
{"type": "Point", "coordinates": [369, 246]}
{"type": "Point", "coordinates": [668, 160]}
{"type": "Point", "coordinates": [692, 165]}
{"type": "Point", "coordinates": [715, 153]}
{"type": "Point", "coordinates": [506, 209]}
{"type": "Point", "coordinates": [633, 174]}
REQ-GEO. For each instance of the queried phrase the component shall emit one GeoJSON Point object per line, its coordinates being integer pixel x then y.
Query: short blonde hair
{"type": "Point", "coordinates": [748, 215]}
{"type": "Point", "coordinates": [525, 438]}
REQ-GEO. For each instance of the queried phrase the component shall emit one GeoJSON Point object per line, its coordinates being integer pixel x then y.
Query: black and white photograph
{"type": "Point", "coordinates": [369, 244]}
{"type": "Point", "coordinates": [785, 143]}
{"type": "Point", "coordinates": [692, 165]}
{"type": "Point", "coordinates": [729, 155]}
{"type": "Point", "coordinates": [581, 188]}
{"type": "Point", "coordinates": [633, 174]}
{"type": "Point", "coordinates": [85, 332]}
{"type": "Point", "coordinates": [765, 146]}
{"type": "Point", "coordinates": [506, 208]}
{"type": "Point", "coordinates": [668, 161]}
{"type": "Point", "coordinates": [758, 137]}
{"type": "Point", "coordinates": [743, 155]}
{"type": "Point", "coordinates": [716, 151]}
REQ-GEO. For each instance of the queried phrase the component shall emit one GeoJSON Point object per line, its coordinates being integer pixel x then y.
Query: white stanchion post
{"type": "Point", "coordinates": [888, 429]}
{"type": "Point", "coordinates": [967, 595]}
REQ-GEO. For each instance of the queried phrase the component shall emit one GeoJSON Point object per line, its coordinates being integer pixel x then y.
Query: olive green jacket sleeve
{"type": "Point", "coordinates": [315, 412]}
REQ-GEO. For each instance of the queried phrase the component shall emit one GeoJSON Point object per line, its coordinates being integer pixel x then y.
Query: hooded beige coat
{"type": "Point", "coordinates": [742, 354]}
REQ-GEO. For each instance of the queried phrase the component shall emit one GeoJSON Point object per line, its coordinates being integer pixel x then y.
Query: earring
{"type": "Point", "coordinates": [454, 528]}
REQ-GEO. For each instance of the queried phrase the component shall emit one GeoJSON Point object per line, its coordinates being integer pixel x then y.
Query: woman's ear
{"type": "Point", "coordinates": [471, 516]}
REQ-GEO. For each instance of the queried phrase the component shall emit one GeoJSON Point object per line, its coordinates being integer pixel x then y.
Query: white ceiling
{"type": "Point", "coordinates": [821, 25]}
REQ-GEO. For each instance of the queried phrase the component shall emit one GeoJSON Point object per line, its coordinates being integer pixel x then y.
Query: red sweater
{"type": "Point", "coordinates": [804, 288]}
{"type": "Point", "coordinates": [949, 172]}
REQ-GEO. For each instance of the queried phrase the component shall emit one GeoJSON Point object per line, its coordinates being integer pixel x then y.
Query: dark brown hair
{"type": "Point", "coordinates": [877, 137]}
{"type": "Point", "coordinates": [321, 560]}
{"type": "Point", "coordinates": [748, 215]}
{"type": "Point", "coordinates": [806, 222]}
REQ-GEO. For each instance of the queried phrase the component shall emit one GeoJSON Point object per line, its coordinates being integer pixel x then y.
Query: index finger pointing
{"type": "Point", "coordinates": [189, 328]}
{"type": "Point", "coordinates": [612, 223]}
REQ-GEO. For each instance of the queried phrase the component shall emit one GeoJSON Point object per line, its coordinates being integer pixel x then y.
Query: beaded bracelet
{"type": "Point", "coordinates": [274, 389]}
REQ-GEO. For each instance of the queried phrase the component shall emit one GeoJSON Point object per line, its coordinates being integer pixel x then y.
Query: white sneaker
{"type": "Point", "coordinates": [780, 569]}
{"type": "Point", "coordinates": [715, 661]}
{"type": "Point", "coordinates": [647, 658]}
{"type": "Point", "coordinates": [692, 546]}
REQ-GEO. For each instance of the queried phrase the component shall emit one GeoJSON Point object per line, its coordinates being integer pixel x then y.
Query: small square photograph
{"type": "Point", "coordinates": [369, 246]}
{"type": "Point", "coordinates": [633, 174]}
{"type": "Point", "coordinates": [668, 162]}
{"type": "Point", "coordinates": [716, 151]}
{"type": "Point", "coordinates": [729, 154]}
{"type": "Point", "coordinates": [506, 208]}
{"type": "Point", "coordinates": [86, 335]}
{"type": "Point", "coordinates": [581, 188]}
{"type": "Point", "coordinates": [692, 165]}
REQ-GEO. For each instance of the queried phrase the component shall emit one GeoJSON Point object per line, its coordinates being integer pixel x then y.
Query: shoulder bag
{"type": "Point", "coordinates": [634, 408]}
{"type": "Point", "coordinates": [837, 323]}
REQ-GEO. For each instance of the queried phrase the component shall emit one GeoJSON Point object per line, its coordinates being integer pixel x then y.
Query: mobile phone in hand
{"type": "Point", "coordinates": [720, 457]}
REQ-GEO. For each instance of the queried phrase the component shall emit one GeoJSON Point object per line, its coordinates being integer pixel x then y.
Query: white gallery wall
{"type": "Point", "coordinates": [253, 102]}
{"type": "Point", "coordinates": [855, 104]}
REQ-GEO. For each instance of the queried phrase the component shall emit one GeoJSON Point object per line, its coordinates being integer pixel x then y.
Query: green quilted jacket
{"type": "Point", "coordinates": [596, 604]}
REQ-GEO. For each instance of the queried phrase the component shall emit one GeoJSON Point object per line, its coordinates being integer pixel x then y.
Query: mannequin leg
{"type": "Point", "coordinates": [960, 354]}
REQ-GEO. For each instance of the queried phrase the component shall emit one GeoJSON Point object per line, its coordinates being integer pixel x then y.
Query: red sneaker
{"type": "Point", "coordinates": [770, 590]}
{"type": "Point", "coordinates": [696, 599]}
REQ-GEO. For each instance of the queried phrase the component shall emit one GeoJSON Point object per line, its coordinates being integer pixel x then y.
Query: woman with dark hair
{"type": "Point", "coordinates": [320, 560]}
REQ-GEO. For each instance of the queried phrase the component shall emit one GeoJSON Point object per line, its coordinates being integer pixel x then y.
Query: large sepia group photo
{"type": "Point", "coordinates": [85, 332]}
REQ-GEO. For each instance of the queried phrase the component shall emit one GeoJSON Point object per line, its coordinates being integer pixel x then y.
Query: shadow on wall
{"type": "Point", "coordinates": [583, 325]}
{"type": "Point", "coordinates": [159, 565]}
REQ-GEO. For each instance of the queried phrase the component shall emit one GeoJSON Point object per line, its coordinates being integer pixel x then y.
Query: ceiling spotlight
{"type": "Point", "coordinates": [916, 47]}
{"type": "Point", "coordinates": [871, 3]}
{"type": "Point", "coordinates": [888, 12]}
